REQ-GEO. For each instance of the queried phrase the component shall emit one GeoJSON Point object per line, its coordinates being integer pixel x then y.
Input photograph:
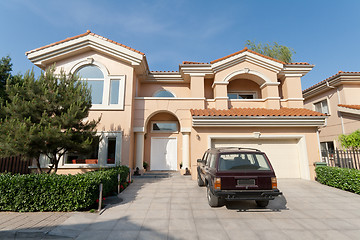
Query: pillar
{"type": "Point", "coordinates": [186, 150]}
{"type": "Point", "coordinates": [139, 149]}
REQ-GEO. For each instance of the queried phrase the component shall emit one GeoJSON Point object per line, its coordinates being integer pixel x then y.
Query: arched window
{"type": "Point", "coordinates": [95, 80]}
{"type": "Point", "coordinates": [163, 93]}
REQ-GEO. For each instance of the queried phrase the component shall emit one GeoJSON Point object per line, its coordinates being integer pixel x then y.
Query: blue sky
{"type": "Point", "coordinates": [323, 33]}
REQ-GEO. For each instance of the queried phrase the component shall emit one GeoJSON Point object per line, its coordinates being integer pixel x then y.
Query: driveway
{"type": "Point", "coordinates": [176, 208]}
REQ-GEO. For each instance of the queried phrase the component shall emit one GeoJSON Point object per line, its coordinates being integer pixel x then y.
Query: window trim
{"type": "Point", "coordinates": [164, 131]}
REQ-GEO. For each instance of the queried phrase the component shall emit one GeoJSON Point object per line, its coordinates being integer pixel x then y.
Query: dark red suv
{"type": "Point", "coordinates": [233, 174]}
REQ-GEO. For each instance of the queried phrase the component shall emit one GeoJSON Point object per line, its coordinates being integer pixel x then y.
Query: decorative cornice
{"type": "Point", "coordinates": [44, 56]}
{"type": "Point", "coordinates": [295, 70]}
{"type": "Point", "coordinates": [348, 110]}
{"type": "Point", "coordinates": [248, 57]}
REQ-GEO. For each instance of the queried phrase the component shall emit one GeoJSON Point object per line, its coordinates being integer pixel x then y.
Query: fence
{"type": "Point", "coordinates": [15, 165]}
{"type": "Point", "coordinates": [342, 158]}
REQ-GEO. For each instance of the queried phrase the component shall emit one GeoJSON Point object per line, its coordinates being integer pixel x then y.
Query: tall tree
{"type": "Point", "coordinates": [275, 50]}
{"type": "Point", "coordinates": [351, 140]}
{"type": "Point", "coordinates": [5, 74]}
{"type": "Point", "coordinates": [46, 116]}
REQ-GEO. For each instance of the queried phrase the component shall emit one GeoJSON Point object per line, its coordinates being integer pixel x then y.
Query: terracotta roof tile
{"type": "Point", "coordinates": [88, 32]}
{"type": "Point", "coordinates": [298, 63]}
{"type": "Point", "coordinates": [333, 76]}
{"type": "Point", "coordinates": [257, 112]}
{"type": "Point", "coordinates": [164, 71]}
{"type": "Point", "coordinates": [248, 50]}
{"type": "Point", "coordinates": [188, 62]}
{"type": "Point", "coordinates": [357, 107]}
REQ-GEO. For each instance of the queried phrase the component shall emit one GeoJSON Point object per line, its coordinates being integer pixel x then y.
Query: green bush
{"type": "Point", "coordinates": [343, 178]}
{"type": "Point", "coordinates": [44, 192]}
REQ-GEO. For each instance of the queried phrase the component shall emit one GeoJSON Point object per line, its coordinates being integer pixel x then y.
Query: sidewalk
{"type": "Point", "coordinates": [24, 225]}
{"type": "Point", "coordinates": [176, 208]}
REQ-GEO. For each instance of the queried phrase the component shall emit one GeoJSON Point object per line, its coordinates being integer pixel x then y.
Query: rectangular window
{"type": "Point", "coordinates": [240, 95]}
{"type": "Point", "coordinates": [322, 107]}
{"type": "Point", "coordinates": [82, 158]}
{"type": "Point", "coordinates": [114, 91]}
{"type": "Point", "coordinates": [243, 162]}
{"type": "Point", "coordinates": [96, 91]}
{"type": "Point", "coordinates": [164, 127]}
{"type": "Point", "coordinates": [111, 151]}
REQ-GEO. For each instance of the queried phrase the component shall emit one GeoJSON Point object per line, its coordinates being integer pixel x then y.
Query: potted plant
{"type": "Point", "coordinates": [145, 165]}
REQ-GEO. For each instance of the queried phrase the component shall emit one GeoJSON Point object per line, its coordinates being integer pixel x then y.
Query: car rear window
{"type": "Point", "coordinates": [243, 162]}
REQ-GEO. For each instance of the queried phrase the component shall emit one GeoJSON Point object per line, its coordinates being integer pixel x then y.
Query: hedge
{"type": "Point", "coordinates": [52, 192]}
{"type": "Point", "coordinates": [343, 178]}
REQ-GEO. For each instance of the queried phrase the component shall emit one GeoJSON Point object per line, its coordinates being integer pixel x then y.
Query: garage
{"type": "Point", "coordinates": [284, 154]}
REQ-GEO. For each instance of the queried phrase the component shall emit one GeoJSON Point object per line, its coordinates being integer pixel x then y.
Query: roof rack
{"type": "Point", "coordinates": [237, 148]}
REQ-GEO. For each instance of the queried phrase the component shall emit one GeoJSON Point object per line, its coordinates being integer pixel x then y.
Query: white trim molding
{"type": "Point", "coordinates": [248, 71]}
{"type": "Point", "coordinates": [349, 110]}
{"type": "Point", "coordinates": [214, 121]}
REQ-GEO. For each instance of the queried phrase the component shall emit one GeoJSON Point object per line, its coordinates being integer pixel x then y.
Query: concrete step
{"type": "Point", "coordinates": [157, 174]}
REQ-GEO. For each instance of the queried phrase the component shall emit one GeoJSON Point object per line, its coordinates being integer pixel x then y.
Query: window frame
{"type": "Point", "coordinates": [321, 106]}
{"type": "Point", "coordinates": [254, 94]}
{"type": "Point", "coordinates": [164, 131]}
{"type": "Point", "coordinates": [163, 90]}
{"type": "Point", "coordinates": [106, 86]}
{"type": "Point", "coordinates": [102, 153]}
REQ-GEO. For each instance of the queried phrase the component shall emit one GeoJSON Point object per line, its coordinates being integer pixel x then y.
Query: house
{"type": "Point", "coordinates": [166, 118]}
{"type": "Point", "coordinates": [338, 97]}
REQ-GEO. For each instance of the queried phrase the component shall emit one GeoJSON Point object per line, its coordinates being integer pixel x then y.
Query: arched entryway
{"type": "Point", "coordinates": [162, 142]}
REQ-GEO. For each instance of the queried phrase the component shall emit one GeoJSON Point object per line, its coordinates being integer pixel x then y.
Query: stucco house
{"type": "Point", "coordinates": [167, 118]}
{"type": "Point", "coordinates": [338, 97]}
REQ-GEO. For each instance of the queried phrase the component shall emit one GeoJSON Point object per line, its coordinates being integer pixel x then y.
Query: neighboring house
{"type": "Point", "coordinates": [339, 97]}
{"type": "Point", "coordinates": [167, 118]}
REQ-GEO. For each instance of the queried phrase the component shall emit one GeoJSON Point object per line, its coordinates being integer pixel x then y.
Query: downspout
{"type": "Point", "coordinates": [341, 118]}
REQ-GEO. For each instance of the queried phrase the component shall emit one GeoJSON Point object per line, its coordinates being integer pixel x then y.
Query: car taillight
{"type": "Point", "coordinates": [217, 183]}
{"type": "Point", "coordinates": [273, 183]}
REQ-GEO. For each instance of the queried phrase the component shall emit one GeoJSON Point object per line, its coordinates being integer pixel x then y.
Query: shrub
{"type": "Point", "coordinates": [44, 192]}
{"type": "Point", "coordinates": [343, 178]}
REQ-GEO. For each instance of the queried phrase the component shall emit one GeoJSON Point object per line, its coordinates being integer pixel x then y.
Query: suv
{"type": "Point", "coordinates": [233, 174]}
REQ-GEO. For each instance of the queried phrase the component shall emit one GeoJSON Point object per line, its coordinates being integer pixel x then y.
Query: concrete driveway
{"type": "Point", "coordinates": [176, 208]}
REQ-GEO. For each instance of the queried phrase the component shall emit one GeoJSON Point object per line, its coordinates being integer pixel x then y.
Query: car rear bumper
{"type": "Point", "coordinates": [234, 195]}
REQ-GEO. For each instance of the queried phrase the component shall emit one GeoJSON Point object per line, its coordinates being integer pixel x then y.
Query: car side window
{"type": "Point", "coordinates": [211, 161]}
{"type": "Point", "coordinates": [208, 159]}
{"type": "Point", "coordinates": [204, 158]}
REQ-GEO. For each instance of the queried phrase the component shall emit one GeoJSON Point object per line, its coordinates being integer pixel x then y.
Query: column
{"type": "Point", "coordinates": [139, 149]}
{"type": "Point", "coordinates": [186, 150]}
{"type": "Point", "coordinates": [220, 94]}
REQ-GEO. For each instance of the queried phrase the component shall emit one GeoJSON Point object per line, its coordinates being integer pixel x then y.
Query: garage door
{"type": "Point", "coordinates": [283, 153]}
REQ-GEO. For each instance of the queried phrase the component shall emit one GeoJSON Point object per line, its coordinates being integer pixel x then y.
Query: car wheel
{"type": "Point", "coordinates": [213, 200]}
{"type": "Point", "coordinates": [262, 203]}
{"type": "Point", "coordinates": [200, 182]}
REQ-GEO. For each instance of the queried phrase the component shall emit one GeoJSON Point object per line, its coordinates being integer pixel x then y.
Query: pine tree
{"type": "Point", "coordinates": [46, 116]}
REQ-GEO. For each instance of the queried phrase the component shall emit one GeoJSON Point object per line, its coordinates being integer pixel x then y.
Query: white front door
{"type": "Point", "coordinates": [163, 154]}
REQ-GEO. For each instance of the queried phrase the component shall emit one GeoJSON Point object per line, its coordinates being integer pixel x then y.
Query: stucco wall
{"type": "Point", "coordinates": [111, 120]}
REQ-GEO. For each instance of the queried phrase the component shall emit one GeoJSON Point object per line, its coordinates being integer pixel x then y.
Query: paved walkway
{"type": "Point", "coordinates": [176, 208]}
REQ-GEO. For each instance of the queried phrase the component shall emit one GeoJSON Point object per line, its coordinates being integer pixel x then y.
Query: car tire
{"type": "Point", "coordinates": [200, 182]}
{"type": "Point", "coordinates": [262, 203]}
{"type": "Point", "coordinates": [213, 200]}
